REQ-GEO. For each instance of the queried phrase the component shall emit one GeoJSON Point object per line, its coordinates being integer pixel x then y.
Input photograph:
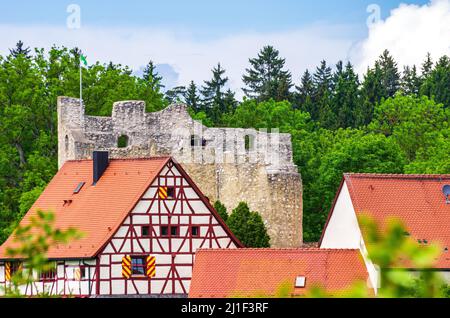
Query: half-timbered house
{"type": "Point", "coordinates": [142, 220]}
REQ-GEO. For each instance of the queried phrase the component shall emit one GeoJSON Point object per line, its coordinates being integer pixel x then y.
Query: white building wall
{"type": "Point", "coordinates": [342, 231]}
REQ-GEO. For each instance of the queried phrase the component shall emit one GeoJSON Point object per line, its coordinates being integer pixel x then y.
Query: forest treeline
{"type": "Point", "coordinates": [388, 121]}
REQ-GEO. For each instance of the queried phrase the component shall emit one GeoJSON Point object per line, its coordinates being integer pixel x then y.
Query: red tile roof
{"type": "Point", "coordinates": [98, 210]}
{"type": "Point", "coordinates": [416, 200]}
{"type": "Point", "coordinates": [252, 272]}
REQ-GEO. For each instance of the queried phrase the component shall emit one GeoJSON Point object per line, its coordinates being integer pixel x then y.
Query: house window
{"type": "Point", "coordinates": [49, 274]}
{"type": "Point", "coordinates": [170, 192]}
{"type": "Point", "coordinates": [137, 265]}
{"type": "Point", "coordinates": [164, 231]}
{"type": "Point", "coordinates": [174, 230]}
{"type": "Point", "coordinates": [145, 231]}
{"type": "Point", "coordinates": [195, 231]}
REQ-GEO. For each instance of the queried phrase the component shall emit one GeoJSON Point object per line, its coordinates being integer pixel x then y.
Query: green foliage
{"type": "Point", "coordinates": [393, 251]}
{"type": "Point", "coordinates": [29, 87]}
{"type": "Point", "coordinates": [33, 242]}
{"type": "Point", "coordinates": [414, 122]}
{"type": "Point", "coordinates": [248, 227]}
{"type": "Point", "coordinates": [221, 210]}
{"type": "Point", "coordinates": [393, 127]}
{"type": "Point", "coordinates": [266, 79]}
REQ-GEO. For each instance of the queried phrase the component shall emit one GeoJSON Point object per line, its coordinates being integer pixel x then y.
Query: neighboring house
{"type": "Point", "coordinates": [142, 219]}
{"type": "Point", "coordinates": [261, 272]}
{"type": "Point", "coordinates": [418, 201]}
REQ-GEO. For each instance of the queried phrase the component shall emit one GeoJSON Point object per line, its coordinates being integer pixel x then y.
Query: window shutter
{"type": "Point", "coordinates": [162, 191]}
{"type": "Point", "coordinates": [8, 271]}
{"type": "Point", "coordinates": [126, 266]}
{"type": "Point", "coordinates": [150, 266]}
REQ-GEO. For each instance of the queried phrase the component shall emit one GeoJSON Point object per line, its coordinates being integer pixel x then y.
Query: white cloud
{"type": "Point", "coordinates": [409, 33]}
{"type": "Point", "coordinates": [192, 59]}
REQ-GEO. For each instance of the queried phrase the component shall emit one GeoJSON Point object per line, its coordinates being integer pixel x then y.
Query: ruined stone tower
{"type": "Point", "coordinates": [228, 164]}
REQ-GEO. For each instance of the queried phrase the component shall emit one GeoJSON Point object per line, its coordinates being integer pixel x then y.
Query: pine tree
{"type": "Point", "coordinates": [266, 79]}
{"type": "Point", "coordinates": [175, 95]}
{"type": "Point", "coordinates": [305, 93]}
{"type": "Point", "coordinates": [191, 97]}
{"type": "Point", "coordinates": [153, 86]}
{"type": "Point", "coordinates": [437, 84]}
{"type": "Point", "coordinates": [427, 66]}
{"type": "Point", "coordinates": [390, 77]}
{"type": "Point", "coordinates": [221, 210]}
{"type": "Point", "coordinates": [371, 94]}
{"type": "Point", "coordinates": [230, 101]}
{"type": "Point", "coordinates": [20, 50]}
{"type": "Point", "coordinates": [345, 99]}
{"type": "Point", "coordinates": [411, 82]}
{"type": "Point", "coordinates": [248, 227]}
{"type": "Point", "coordinates": [322, 111]}
{"type": "Point", "coordinates": [152, 77]}
{"type": "Point", "coordinates": [213, 96]}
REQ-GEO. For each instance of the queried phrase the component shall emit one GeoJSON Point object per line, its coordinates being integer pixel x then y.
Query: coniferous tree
{"type": "Point", "coordinates": [221, 210]}
{"type": "Point", "coordinates": [191, 97]}
{"type": "Point", "coordinates": [20, 50]}
{"type": "Point", "coordinates": [345, 99]}
{"type": "Point", "coordinates": [411, 81]}
{"type": "Point", "coordinates": [437, 85]}
{"type": "Point", "coordinates": [427, 66]}
{"type": "Point", "coordinates": [152, 77]}
{"type": "Point", "coordinates": [248, 227]}
{"type": "Point", "coordinates": [213, 95]}
{"type": "Point", "coordinates": [153, 87]}
{"type": "Point", "coordinates": [390, 77]}
{"type": "Point", "coordinates": [266, 79]}
{"type": "Point", "coordinates": [322, 80]}
{"type": "Point", "coordinates": [371, 94]}
{"type": "Point", "coordinates": [230, 101]}
{"type": "Point", "coordinates": [305, 92]}
{"type": "Point", "coordinates": [175, 95]}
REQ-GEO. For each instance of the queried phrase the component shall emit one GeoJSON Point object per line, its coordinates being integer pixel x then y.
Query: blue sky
{"type": "Point", "coordinates": [186, 39]}
{"type": "Point", "coordinates": [203, 17]}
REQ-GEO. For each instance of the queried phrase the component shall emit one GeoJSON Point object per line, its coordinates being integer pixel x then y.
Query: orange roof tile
{"type": "Point", "coordinates": [251, 272]}
{"type": "Point", "coordinates": [416, 200]}
{"type": "Point", "coordinates": [97, 211]}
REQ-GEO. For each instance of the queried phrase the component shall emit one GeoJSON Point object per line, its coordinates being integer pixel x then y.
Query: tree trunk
{"type": "Point", "coordinates": [21, 154]}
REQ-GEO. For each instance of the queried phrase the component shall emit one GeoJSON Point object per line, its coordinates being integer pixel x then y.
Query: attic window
{"type": "Point", "coordinates": [78, 188]}
{"type": "Point", "coordinates": [300, 282]}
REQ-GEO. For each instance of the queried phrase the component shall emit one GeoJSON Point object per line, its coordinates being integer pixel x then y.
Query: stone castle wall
{"type": "Point", "coordinates": [230, 165]}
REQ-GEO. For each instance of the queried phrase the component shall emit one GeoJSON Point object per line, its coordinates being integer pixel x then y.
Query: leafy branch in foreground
{"type": "Point", "coordinates": [31, 244]}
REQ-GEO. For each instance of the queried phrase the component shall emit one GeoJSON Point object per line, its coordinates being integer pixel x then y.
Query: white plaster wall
{"type": "Point", "coordinates": [343, 229]}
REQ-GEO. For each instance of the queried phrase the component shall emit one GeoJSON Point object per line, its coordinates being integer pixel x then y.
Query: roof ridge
{"type": "Point", "coordinates": [397, 175]}
{"type": "Point", "coordinates": [125, 159]}
{"type": "Point", "coordinates": [274, 249]}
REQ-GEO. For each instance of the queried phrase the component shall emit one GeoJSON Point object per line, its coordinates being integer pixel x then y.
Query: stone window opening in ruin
{"type": "Point", "coordinates": [196, 141]}
{"type": "Point", "coordinates": [66, 143]}
{"type": "Point", "coordinates": [249, 142]}
{"type": "Point", "coordinates": [122, 142]}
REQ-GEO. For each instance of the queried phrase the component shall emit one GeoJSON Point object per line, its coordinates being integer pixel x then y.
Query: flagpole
{"type": "Point", "coordinates": [81, 86]}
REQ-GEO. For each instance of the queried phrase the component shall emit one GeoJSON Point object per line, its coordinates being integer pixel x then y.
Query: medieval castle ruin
{"type": "Point", "coordinates": [228, 164]}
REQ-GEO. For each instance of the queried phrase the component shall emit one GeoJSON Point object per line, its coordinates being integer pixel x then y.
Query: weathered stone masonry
{"type": "Point", "coordinates": [222, 165]}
